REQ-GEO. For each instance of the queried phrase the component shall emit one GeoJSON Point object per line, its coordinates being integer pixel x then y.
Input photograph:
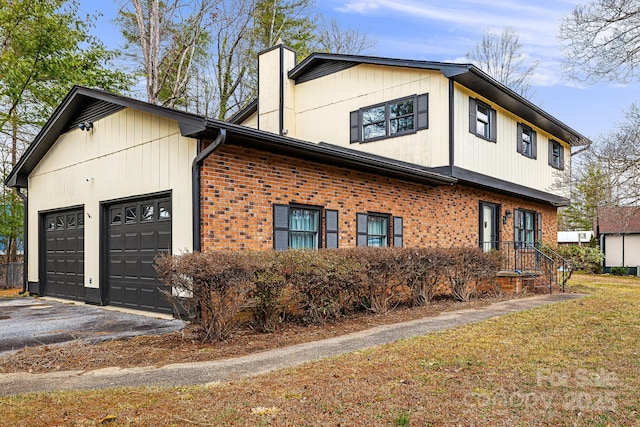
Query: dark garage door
{"type": "Point", "coordinates": [64, 254]}
{"type": "Point", "coordinates": [137, 231]}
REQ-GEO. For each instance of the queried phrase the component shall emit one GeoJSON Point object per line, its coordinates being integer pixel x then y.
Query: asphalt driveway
{"type": "Point", "coordinates": [35, 321]}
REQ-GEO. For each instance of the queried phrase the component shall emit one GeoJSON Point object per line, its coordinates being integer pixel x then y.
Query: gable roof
{"type": "Point", "coordinates": [618, 220]}
{"type": "Point", "coordinates": [321, 64]}
{"type": "Point", "coordinates": [85, 104]}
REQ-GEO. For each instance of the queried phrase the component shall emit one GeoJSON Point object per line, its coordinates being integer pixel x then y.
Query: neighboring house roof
{"type": "Point", "coordinates": [618, 220]}
{"type": "Point", "coordinates": [574, 236]}
{"type": "Point", "coordinates": [321, 64]}
{"type": "Point", "coordinates": [85, 104]}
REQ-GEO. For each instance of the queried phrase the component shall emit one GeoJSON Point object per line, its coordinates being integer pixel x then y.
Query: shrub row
{"type": "Point", "coordinates": [214, 289]}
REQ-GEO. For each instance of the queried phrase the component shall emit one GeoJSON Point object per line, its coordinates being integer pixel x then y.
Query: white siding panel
{"type": "Point", "coordinates": [129, 153]}
{"type": "Point", "coordinates": [501, 159]}
{"type": "Point", "coordinates": [632, 250]}
{"type": "Point", "coordinates": [323, 116]}
{"type": "Point", "coordinates": [613, 248]}
{"type": "Point", "coordinates": [251, 121]}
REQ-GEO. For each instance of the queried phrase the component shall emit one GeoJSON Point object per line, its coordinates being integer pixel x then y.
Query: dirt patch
{"type": "Point", "coordinates": [9, 293]}
{"type": "Point", "coordinates": [178, 347]}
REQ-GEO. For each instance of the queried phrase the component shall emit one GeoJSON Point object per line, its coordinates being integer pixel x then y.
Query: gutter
{"type": "Point", "coordinates": [25, 257]}
{"type": "Point", "coordinates": [195, 177]}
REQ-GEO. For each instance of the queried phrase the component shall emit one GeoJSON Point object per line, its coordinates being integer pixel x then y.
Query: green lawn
{"type": "Point", "coordinates": [574, 363]}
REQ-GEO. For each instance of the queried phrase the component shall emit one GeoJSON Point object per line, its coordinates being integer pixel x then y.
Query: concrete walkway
{"type": "Point", "coordinates": [182, 374]}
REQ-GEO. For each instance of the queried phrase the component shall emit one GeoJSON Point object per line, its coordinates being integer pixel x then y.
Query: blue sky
{"type": "Point", "coordinates": [444, 30]}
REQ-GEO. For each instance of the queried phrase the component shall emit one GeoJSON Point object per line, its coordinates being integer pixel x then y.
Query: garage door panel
{"type": "Point", "coordinates": [164, 241]}
{"type": "Point", "coordinates": [149, 240]}
{"type": "Point", "coordinates": [132, 242]}
{"type": "Point", "coordinates": [132, 269]}
{"type": "Point", "coordinates": [147, 271]}
{"type": "Point", "coordinates": [61, 245]}
{"type": "Point", "coordinates": [116, 242]}
{"type": "Point", "coordinates": [137, 233]}
{"type": "Point", "coordinates": [147, 297]}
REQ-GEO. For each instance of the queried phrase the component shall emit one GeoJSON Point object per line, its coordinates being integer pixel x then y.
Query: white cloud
{"type": "Point", "coordinates": [359, 6]}
{"type": "Point", "coordinates": [441, 29]}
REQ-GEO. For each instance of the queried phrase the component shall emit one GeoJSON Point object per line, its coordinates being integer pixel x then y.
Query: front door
{"type": "Point", "coordinates": [489, 226]}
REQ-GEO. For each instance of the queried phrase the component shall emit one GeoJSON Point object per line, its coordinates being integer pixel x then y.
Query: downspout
{"type": "Point", "coordinates": [25, 257]}
{"type": "Point", "coordinates": [451, 126]}
{"type": "Point", "coordinates": [195, 177]}
{"type": "Point", "coordinates": [281, 101]}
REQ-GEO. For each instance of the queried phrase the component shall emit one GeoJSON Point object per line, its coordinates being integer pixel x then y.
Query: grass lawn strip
{"type": "Point", "coordinates": [573, 363]}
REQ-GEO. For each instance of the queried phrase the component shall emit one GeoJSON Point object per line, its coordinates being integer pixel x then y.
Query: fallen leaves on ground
{"type": "Point", "coordinates": [571, 363]}
{"type": "Point", "coordinates": [183, 346]}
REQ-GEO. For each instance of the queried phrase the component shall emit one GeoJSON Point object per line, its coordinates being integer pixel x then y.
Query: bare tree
{"type": "Point", "coordinates": [500, 56]}
{"type": "Point", "coordinates": [334, 39]}
{"type": "Point", "coordinates": [169, 35]}
{"type": "Point", "coordinates": [602, 40]}
{"type": "Point", "coordinates": [618, 155]}
{"type": "Point", "coordinates": [225, 78]}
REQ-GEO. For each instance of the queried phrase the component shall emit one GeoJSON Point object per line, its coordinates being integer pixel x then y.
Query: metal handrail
{"type": "Point", "coordinates": [530, 260]}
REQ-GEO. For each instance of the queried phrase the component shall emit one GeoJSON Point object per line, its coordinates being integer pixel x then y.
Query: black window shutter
{"type": "Point", "coordinates": [516, 224]}
{"type": "Point", "coordinates": [473, 128]}
{"type": "Point", "coordinates": [534, 144]}
{"type": "Point", "coordinates": [354, 126]}
{"type": "Point", "coordinates": [362, 228]}
{"type": "Point", "coordinates": [397, 231]}
{"type": "Point", "coordinates": [280, 227]}
{"type": "Point", "coordinates": [519, 143]}
{"type": "Point", "coordinates": [539, 221]}
{"type": "Point", "coordinates": [493, 125]}
{"type": "Point", "coordinates": [561, 156]}
{"type": "Point", "coordinates": [331, 228]}
{"type": "Point", "coordinates": [423, 111]}
{"type": "Point", "coordinates": [551, 153]}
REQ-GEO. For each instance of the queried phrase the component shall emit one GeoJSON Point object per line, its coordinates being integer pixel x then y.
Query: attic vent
{"type": "Point", "coordinates": [324, 69]}
{"type": "Point", "coordinates": [93, 111]}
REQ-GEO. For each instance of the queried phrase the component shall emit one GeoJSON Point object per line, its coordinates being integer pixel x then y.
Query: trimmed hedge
{"type": "Point", "coordinates": [211, 289]}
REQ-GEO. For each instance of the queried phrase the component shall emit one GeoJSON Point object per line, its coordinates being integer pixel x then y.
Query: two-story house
{"type": "Point", "coordinates": [448, 118]}
{"type": "Point", "coordinates": [337, 151]}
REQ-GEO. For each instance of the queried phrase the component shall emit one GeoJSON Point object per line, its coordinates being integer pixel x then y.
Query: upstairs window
{"type": "Point", "coordinates": [556, 155]}
{"type": "Point", "coordinates": [394, 118]}
{"type": "Point", "coordinates": [527, 141]}
{"type": "Point", "coordinates": [482, 120]}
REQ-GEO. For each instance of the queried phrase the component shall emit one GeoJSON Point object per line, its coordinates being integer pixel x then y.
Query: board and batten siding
{"type": "Point", "coordinates": [129, 153]}
{"type": "Point", "coordinates": [621, 250]}
{"type": "Point", "coordinates": [323, 106]}
{"type": "Point", "coordinates": [501, 159]}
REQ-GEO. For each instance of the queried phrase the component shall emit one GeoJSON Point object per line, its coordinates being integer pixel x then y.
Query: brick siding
{"type": "Point", "coordinates": [239, 186]}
